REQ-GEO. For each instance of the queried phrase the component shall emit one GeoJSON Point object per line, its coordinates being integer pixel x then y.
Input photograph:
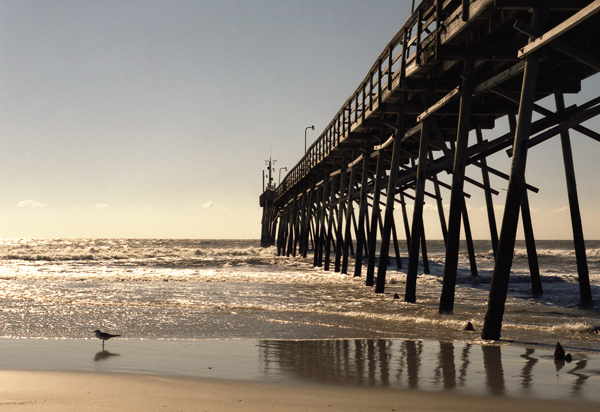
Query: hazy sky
{"type": "Point", "coordinates": [154, 118]}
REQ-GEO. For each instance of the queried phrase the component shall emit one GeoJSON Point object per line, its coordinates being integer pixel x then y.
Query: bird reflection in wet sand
{"type": "Point", "coordinates": [104, 354]}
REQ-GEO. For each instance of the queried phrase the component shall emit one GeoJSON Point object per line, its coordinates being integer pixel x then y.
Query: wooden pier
{"type": "Point", "coordinates": [454, 69]}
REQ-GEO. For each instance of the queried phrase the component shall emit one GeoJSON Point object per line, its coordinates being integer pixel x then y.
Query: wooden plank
{"type": "Point", "coordinates": [440, 103]}
{"type": "Point", "coordinates": [500, 78]}
{"type": "Point", "coordinates": [413, 131]}
{"type": "Point", "coordinates": [356, 161]}
{"type": "Point", "coordinates": [546, 4]}
{"type": "Point", "coordinates": [562, 47]}
{"type": "Point", "coordinates": [384, 144]}
{"type": "Point", "coordinates": [559, 30]}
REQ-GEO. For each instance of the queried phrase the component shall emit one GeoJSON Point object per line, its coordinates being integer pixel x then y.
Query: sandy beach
{"type": "Point", "coordinates": [326, 375]}
{"type": "Point", "coordinates": [55, 391]}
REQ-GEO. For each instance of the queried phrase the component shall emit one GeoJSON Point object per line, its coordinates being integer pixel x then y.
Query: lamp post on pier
{"type": "Point", "coordinates": [305, 130]}
{"type": "Point", "coordinates": [280, 174]}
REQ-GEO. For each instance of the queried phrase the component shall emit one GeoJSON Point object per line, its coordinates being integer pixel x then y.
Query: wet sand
{"type": "Point", "coordinates": [56, 391]}
{"type": "Point", "coordinates": [332, 375]}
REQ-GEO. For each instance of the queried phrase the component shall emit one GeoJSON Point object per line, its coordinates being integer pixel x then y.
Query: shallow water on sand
{"type": "Point", "coordinates": [385, 363]}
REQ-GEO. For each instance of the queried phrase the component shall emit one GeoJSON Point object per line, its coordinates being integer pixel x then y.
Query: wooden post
{"type": "Point", "coordinates": [457, 199]}
{"type": "Point", "coordinates": [308, 218]}
{"type": "Point", "coordinates": [329, 234]}
{"type": "Point", "coordinates": [375, 216]}
{"type": "Point", "coordinates": [302, 223]}
{"type": "Point", "coordinates": [534, 267]}
{"type": "Point", "coordinates": [349, 217]}
{"type": "Point", "coordinates": [424, 250]}
{"type": "Point", "coordinates": [532, 260]}
{"type": "Point", "coordinates": [360, 235]}
{"type": "Point", "coordinates": [488, 196]}
{"type": "Point", "coordinates": [405, 219]}
{"type": "Point", "coordinates": [292, 225]}
{"type": "Point", "coordinates": [266, 223]}
{"type": "Point", "coordinates": [417, 222]}
{"type": "Point", "coordinates": [492, 325]}
{"type": "Point", "coordinates": [319, 206]}
{"type": "Point", "coordinates": [396, 246]}
{"type": "Point", "coordinates": [388, 224]}
{"type": "Point", "coordinates": [282, 236]}
{"type": "Point", "coordinates": [469, 240]}
{"type": "Point", "coordinates": [440, 208]}
{"type": "Point", "coordinates": [340, 217]}
{"type": "Point", "coordinates": [579, 243]}
{"type": "Point", "coordinates": [323, 212]}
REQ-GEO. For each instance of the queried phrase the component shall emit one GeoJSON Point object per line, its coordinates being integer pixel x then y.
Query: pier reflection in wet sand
{"type": "Point", "coordinates": [429, 365]}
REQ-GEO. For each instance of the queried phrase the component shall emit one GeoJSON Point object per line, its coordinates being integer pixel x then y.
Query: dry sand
{"type": "Point", "coordinates": [68, 391]}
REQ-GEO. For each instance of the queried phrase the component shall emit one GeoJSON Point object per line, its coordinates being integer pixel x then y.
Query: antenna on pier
{"type": "Point", "coordinates": [270, 167]}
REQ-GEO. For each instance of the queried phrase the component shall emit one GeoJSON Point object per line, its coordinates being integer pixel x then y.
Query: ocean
{"type": "Point", "coordinates": [228, 309]}
{"type": "Point", "coordinates": [234, 289]}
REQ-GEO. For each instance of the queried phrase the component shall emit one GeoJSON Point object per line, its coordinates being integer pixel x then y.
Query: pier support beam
{"type": "Point", "coordinates": [388, 222]}
{"type": "Point", "coordinates": [349, 217]}
{"type": "Point", "coordinates": [340, 218]}
{"type": "Point", "coordinates": [360, 234]}
{"type": "Point", "coordinates": [329, 234]}
{"type": "Point", "coordinates": [534, 267]}
{"type": "Point", "coordinates": [417, 222]}
{"type": "Point", "coordinates": [488, 196]}
{"type": "Point", "coordinates": [516, 185]}
{"type": "Point", "coordinates": [579, 243]}
{"type": "Point", "coordinates": [457, 200]}
{"type": "Point", "coordinates": [321, 231]}
{"type": "Point", "coordinates": [307, 220]}
{"type": "Point", "coordinates": [375, 215]}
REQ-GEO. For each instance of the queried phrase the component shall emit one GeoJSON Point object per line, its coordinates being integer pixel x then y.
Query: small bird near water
{"type": "Point", "coordinates": [104, 336]}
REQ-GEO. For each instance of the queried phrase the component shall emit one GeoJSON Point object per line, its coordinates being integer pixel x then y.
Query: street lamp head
{"type": "Point", "coordinates": [313, 127]}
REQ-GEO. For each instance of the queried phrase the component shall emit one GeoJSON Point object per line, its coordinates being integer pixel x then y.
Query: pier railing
{"type": "Point", "coordinates": [413, 45]}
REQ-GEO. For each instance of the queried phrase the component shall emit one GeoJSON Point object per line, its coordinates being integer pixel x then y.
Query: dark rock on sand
{"type": "Point", "coordinates": [559, 354]}
{"type": "Point", "coordinates": [469, 327]}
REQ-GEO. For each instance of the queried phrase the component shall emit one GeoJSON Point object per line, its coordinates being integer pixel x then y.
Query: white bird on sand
{"type": "Point", "coordinates": [104, 336]}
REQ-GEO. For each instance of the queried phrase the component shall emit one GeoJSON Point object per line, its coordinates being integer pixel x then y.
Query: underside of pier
{"type": "Point", "coordinates": [452, 72]}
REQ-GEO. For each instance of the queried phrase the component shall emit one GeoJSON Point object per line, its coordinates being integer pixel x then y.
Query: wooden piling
{"type": "Point", "coordinates": [585, 290]}
{"type": "Point", "coordinates": [489, 203]}
{"type": "Point", "coordinates": [499, 287]}
{"type": "Point", "coordinates": [456, 195]}
{"type": "Point", "coordinates": [349, 218]}
{"type": "Point", "coordinates": [388, 224]}
{"type": "Point", "coordinates": [329, 234]}
{"type": "Point", "coordinates": [375, 217]}
{"type": "Point", "coordinates": [360, 234]}
{"type": "Point", "coordinates": [417, 221]}
{"type": "Point", "coordinates": [341, 206]}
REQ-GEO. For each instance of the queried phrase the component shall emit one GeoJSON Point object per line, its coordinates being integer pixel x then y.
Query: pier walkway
{"type": "Point", "coordinates": [455, 68]}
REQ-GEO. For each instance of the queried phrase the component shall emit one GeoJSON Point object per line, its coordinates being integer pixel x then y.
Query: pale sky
{"type": "Point", "coordinates": [153, 119]}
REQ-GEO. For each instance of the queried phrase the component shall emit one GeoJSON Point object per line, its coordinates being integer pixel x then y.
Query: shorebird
{"type": "Point", "coordinates": [104, 336]}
